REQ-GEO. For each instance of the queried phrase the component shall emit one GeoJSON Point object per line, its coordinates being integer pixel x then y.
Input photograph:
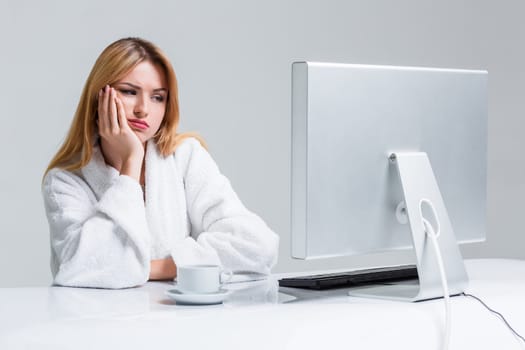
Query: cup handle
{"type": "Point", "coordinates": [229, 275]}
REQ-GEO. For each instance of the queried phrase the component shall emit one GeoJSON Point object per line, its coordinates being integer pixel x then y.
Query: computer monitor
{"type": "Point", "coordinates": [369, 143]}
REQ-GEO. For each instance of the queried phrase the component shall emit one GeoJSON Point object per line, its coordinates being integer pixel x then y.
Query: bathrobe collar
{"type": "Point", "coordinates": [98, 174]}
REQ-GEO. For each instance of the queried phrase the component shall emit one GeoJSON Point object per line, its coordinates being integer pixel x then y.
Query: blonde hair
{"type": "Point", "coordinates": [114, 63]}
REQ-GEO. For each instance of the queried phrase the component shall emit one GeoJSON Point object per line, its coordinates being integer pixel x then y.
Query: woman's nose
{"type": "Point", "coordinates": [141, 107]}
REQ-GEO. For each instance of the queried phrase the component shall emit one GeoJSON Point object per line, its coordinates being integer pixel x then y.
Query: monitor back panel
{"type": "Point", "coordinates": [347, 119]}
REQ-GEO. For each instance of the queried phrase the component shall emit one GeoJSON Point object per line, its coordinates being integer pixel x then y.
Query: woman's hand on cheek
{"type": "Point", "coordinates": [120, 145]}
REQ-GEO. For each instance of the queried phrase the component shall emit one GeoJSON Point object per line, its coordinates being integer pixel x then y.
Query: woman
{"type": "Point", "coordinates": [128, 198]}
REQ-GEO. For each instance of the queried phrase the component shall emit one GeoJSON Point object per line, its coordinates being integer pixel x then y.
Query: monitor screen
{"type": "Point", "coordinates": [348, 119]}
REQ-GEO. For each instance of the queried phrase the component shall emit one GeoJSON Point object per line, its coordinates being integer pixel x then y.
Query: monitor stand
{"type": "Point", "coordinates": [418, 182]}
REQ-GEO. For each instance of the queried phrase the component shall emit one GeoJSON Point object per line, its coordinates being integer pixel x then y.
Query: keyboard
{"type": "Point", "coordinates": [352, 278]}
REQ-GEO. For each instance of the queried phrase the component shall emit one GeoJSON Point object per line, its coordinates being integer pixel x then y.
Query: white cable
{"type": "Point", "coordinates": [429, 230]}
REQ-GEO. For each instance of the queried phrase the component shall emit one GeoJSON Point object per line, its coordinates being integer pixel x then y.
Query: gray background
{"type": "Point", "coordinates": [233, 63]}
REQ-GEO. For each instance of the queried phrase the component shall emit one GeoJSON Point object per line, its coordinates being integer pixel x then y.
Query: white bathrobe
{"type": "Point", "coordinates": [103, 234]}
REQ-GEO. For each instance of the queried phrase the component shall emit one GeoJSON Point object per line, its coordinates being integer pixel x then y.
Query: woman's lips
{"type": "Point", "coordinates": [138, 124]}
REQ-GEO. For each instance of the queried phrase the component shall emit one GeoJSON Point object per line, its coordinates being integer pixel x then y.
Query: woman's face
{"type": "Point", "coordinates": [143, 92]}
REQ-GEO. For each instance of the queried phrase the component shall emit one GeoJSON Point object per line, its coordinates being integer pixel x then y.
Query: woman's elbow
{"type": "Point", "coordinates": [269, 248]}
{"type": "Point", "coordinates": [101, 278]}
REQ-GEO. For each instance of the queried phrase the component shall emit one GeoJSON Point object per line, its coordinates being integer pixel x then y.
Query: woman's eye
{"type": "Point", "coordinates": [158, 98]}
{"type": "Point", "coordinates": [128, 92]}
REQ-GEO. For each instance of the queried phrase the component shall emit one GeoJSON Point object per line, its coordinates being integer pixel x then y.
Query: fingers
{"type": "Point", "coordinates": [103, 122]}
{"type": "Point", "coordinates": [121, 113]}
{"type": "Point", "coordinates": [112, 107]}
{"type": "Point", "coordinates": [109, 113]}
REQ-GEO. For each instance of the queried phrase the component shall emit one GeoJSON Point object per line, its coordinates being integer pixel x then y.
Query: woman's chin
{"type": "Point", "coordinates": [143, 138]}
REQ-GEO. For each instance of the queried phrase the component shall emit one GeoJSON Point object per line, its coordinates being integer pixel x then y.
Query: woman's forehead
{"type": "Point", "coordinates": [146, 75]}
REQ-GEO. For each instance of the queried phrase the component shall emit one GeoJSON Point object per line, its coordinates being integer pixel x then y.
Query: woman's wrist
{"type": "Point", "coordinates": [163, 269]}
{"type": "Point", "coordinates": [132, 167]}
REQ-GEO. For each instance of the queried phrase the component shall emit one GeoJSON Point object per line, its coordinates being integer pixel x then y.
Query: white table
{"type": "Point", "coordinates": [257, 315]}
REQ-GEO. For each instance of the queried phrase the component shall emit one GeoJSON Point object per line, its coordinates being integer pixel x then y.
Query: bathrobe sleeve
{"type": "Point", "coordinates": [96, 243]}
{"type": "Point", "coordinates": [223, 231]}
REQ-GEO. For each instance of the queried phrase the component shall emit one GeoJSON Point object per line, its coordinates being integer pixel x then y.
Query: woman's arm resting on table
{"type": "Point", "coordinates": [224, 231]}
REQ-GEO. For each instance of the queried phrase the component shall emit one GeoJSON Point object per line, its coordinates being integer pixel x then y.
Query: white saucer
{"type": "Point", "coordinates": [198, 299]}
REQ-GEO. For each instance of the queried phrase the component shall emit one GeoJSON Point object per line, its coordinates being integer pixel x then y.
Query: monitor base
{"type": "Point", "coordinates": [395, 292]}
{"type": "Point", "coordinates": [419, 187]}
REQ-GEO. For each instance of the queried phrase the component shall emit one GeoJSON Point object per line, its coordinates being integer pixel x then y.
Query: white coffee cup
{"type": "Point", "coordinates": [200, 279]}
